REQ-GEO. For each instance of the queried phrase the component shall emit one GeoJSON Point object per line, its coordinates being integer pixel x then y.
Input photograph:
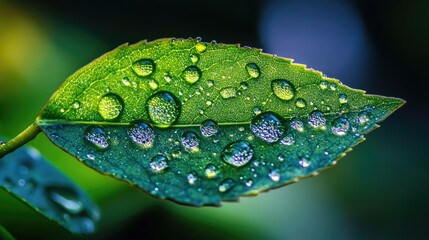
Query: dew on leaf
{"type": "Point", "coordinates": [237, 153]}
{"type": "Point", "coordinates": [158, 163]}
{"type": "Point", "coordinates": [274, 175]}
{"type": "Point", "coordinates": [323, 85]}
{"type": "Point", "coordinates": [253, 70]}
{"type": "Point", "coordinates": [288, 140]}
{"type": "Point", "coordinates": [126, 81]}
{"type": "Point", "coordinates": [76, 104]}
{"type": "Point", "coordinates": [300, 103]}
{"type": "Point", "coordinates": [342, 98]}
{"type": "Point", "coordinates": [143, 67]}
{"type": "Point", "coordinates": [226, 185]}
{"type": "Point", "coordinates": [142, 134]}
{"type": "Point", "coordinates": [267, 126]}
{"type": "Point", "coordinates": [191, 74]}
{"type": "Point", "coordinates": [317, 119]}
{"type": "Point", "coordinates": [97, 136]}
{"type": "Point", "coordinates": [363, 117]}
{"type": "Point", "coordinates": [200, 47]}
{"type": "Point", "coordinates": [333, 86]}
{"type": "Point", "coordinates": [153, 84]}
{"type": "Point", "coordinates": [304, 163]}
{"type": "Point", "coordinates": [210, 83]}
{"type": "Point", "coordinates": [209, 128]}
{"type": "Point", "coordinates": [228, 92]}
{"type": "Point", "coordinates": [210, 171]}
{"type": "Point", "coordinates": [340, 126]}
{"type": "Point", "coordinates": [257, 110]}
{"type": "Point", "coordinates": [283, 89]}
{"type": "Point", "coordinates": [297, 125]}
{"type": "Point", "coordinates": [192, 178]}
{"type": "Point", "coordinates": [163, 108]}
{"type": "Point", "coordinates": [110, 106]}
{"type": "Point", "coordinates": [194, 58]}
{"type": "Point", "coordinates": [66, 198]}
{"type": "Point", "coordinates": [190, 141]}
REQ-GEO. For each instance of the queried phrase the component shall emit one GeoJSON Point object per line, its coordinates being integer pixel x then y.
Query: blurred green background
{"type": "Point", "coordinates": [380, 190]}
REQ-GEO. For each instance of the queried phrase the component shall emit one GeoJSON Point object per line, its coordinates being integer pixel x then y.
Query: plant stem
{"type": "Point", "coordinates": [25, 136]}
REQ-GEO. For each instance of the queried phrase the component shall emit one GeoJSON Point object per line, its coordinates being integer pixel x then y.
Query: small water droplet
{"type": "Point", "coordinates": [283, 89]}
{"type": "Point", "coordinates": [97, 136]}
{"type": "Point", "coordinates": [249, 183]}
{"type": "Point", "coordinates": [192, 178]}
{"type": "Point", "coordinates": [209, 128]}
{"type": "Point", "coordinates": [228, 92]}
{"type": "Point", "coordinates": [333, 87]}
{"type": "Point", "coordinates": [76, 104]}
{"type": "Point", "coordinates": [200, 47]}
{"type": "Point", "coordinates": [168, 78]}
{"type": "Point", "coordinates": [340, 126]}
{"type": "Point", "coordinates": [194, 58]}
{"type": "Point", "coordinates": [288, 140]}
{"type": "Point", "coordinates": [126, 81]}
{"type": "Point", "coordinates": [143, 67]}
{"type": "Point", "coordinates": [274, 175]}
{"type": "Point", "coordinates": [210, 83]}
{"type": "Point", "coordinates": [66, 198]}
{"type": "Point", "coordinates": [323, 85]}
{"type": "Point", "coordinates": [237, 153]}
{"type": "Point", "coordinates": [363, 118]}
{"type": "Point", "coordinates": [317, 119]}
{"type": "Point", "coordinates": [153, 84]}
{"type": "Point", "coordinates": [342, 98]}
{"type": "Point", "coordinates": [226, 185]}
{"type": "Point", "coordinates": [190, 141]}
{"type": "Point", "coordinates": [62, 110]}
{"type": "Point", "coordinates": [300, 103]}
{"type": "Point", "coordinates": [21, 182]}
{"type": "Point", "coordinates": [210, 171]}
{"type": "Point", "coordinates": [253, 70]}
{"type": "Point", "coordinates": [142, 134]}
{"type": "Point", "coordinates": [110, 106]}
{"type": "Point", "coordinates": [297, 125]}
{"type": "Point", "coordinates": [244, 85]}
{"type": "Point", "coordinates": [163, 108]}
{"type": "Point", "coordinates": [191, 74]}
{"type": "Point", "coordinates": [304, 163]}
{"type": "Point", "coordinates": [209, 103]}
{"type": "Point", "coordinates": [257, 110]}
{"type": "Point", "coordinates": [281, 157]}
{"type": "Point", "coordinates": [158, 163]}
{"type": "Point", "coordinates": [267, 126]}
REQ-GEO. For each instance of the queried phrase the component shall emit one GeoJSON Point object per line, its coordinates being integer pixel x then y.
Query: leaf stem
{"type": "Point", "coordinates": [25, 136]}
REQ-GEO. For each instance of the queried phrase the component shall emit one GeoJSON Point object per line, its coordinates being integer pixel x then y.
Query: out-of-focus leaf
{"type": "Point", "coordinates": [5, 235]}
{"type": "Point", "coordinates": [32, 179]}
{"type": "Point", "coordinates": [199, 122]}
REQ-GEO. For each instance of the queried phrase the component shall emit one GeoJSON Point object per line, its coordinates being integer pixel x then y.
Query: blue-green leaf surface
{"type": "Point", "coordinates": [200, 123]}
{"type": "Point", "coordinates": [30, 178]}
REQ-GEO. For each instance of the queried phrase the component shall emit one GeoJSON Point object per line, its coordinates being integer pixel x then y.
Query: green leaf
{"type": "Point", "coordinates": [4, 234]}
{"type": "Point", "coordinates": [199, 123]}
{"type": "Point", "coordinates": [30, 178]}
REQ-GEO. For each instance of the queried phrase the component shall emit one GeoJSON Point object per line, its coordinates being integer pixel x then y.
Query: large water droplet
{"type": "Point", "coordinates": [110, 106]}
{"type": "Point", "coordinates": [283, 89]}
{"type": "Point", "coordinates": [317, 119]}
{"type": "Point", "coordinates": [340, 126]}
{"type": "Point", "coordinates": [267, 126]}
{"type": "Point", "coordinates": [163, 108]}
{"type": "Point", "coordinates": [228, 92]}
{"type": "Point", "coordinates": [158, 163]}
{"type": "Point", "coordinates": [237, 153]}
{"type": "Point", "coordinates": [209, 128]}
{"type": "Point", "coordinates": [66, 198]}
{"type": "Point", "coordinates": [210, 171]}
{"type": "Point", "coordinates": [142, 134]}
{"type": "Point", "coordinates": [143, 67]}
{"type": "Point", "coordinates": [97, 136]}
{"type": "Point", "coordinates": [190, 141]}
{"type": "Point", "coordinates": [191, 74]}
{"type": "Point", "coordinates": [253, 70]}
{"type": "Point", "coordinates": [226, 185]}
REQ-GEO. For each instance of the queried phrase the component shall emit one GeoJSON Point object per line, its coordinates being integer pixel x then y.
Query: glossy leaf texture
{"type": "Point", "coordinates": [200, 123]}
{"type": "Point", "coordinates": [30, 178]}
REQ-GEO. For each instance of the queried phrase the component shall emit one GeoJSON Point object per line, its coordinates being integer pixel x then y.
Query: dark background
{"type": "Point", "coordinates": [381, 190]}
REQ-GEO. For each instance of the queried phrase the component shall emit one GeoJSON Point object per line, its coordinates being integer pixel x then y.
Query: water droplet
{"type": "Point", "coordinates": [143, 67]}
{"type": "Point", "coordinates": [191, 74]}
{"type": "Point", "coordinates": [226, 185]}
{"type": "Point", "coordinates": [281, 157]}
{"type": "Point", "coordinates": [200, 47]}
{"type": "Point", "coordinates": [228, 92]}
{"type": "Point", "coordinates": [340, 126]}
{"type": "Point", "coordinates": [76, 104]}
{"type": "Point", "coordinates": [192, 178]}
{"type": "Point", "coordinates": [237, 153]}
{"type": "Point", "coordinates": [210, 83]}
{"type": "Point", "coordinates": [97, 136]}
{"type": "Point", "coordinates": [163, 108]}
{"type": "Point", "coordinates": [244, 85]}
{"type": "Point", "coordinates": [283, 89]}
{"type": "Point", "coordinates": [194, 58]}
{"type": "Point", "coordinates": [297, 125]}
{"type": "Point", "coordinates": [300, 103]}
{"type": "Point", "coordinates": [66, 198]}
{"type": "Point", "coordinates": [267, 126]}
{"type": "Point", "coordinates": [249, 183]}
{"type": "Point", "coordinates": [209, 128]}
{"type": "Point", "coordinates": [152, 84]}
{"type": "Point", "coordinates": [210, 171]}
{"type": "Point", "coordinates": [62, 110]}
{"type": "Point", "coordinates": [126, 81]}
{"type": "Point", "coordinates": [317, 119]}
{"type": "Point", "coordinates": [342, 98]}
{"type": "Point", "coordinates": [257, 110]}
{"type": "Point", "coordinates": [158, 163]}
{"type": "Point", "coordinates": [363, 118]}
{"type": "Point", "coordinates": [190, 141]}
{"type": "Point", "coordinates": [288, 140]}
{"type": "Point", "coordinates": [110, 106]}
{"type": "Point", "coordinates": [142, 134]}
{"type": "Point", "coordinates": [274, 175]}
{"type": "Point", "coordinates": [168, 78]}
{"type": "Point", "coordinates": [304, 163]}
{"type": "Point", "coordinates": [209, 103]}
{"type": "Point", "coordinates": [21, 182]}
{"type": "Point", "coordinates": [323, 85]}
{"type": "Point", "coordinates": [253, 70]}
